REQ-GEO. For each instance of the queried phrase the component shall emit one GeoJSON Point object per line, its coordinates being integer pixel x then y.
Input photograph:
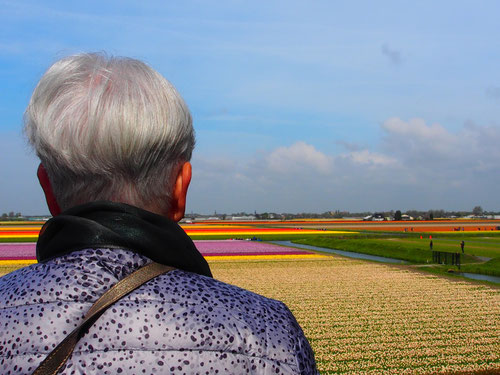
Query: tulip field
{"type": "Point", "coordinates": [360, 317]}
{"type": "Point", "coordinates": [364, 318]}
{"type": "Point", "coordinates": [29, 232]}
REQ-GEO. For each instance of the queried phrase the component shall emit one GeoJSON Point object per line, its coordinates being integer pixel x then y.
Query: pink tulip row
{"type": "Point", "coordinates": [237, 247]}
{"type": "Point", "coordinates": [21, 250]}
{"type": "Point", "coordinates": [207, 248]}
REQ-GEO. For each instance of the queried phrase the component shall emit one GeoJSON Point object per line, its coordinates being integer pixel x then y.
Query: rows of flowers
{"type": "Point", "coordinates": [369, 318]}
{"type": "Point", "coordinates": [231, 250]}
{"type": "Point", "coordinates": [360, 317]}
{"type": "Point", "coordinates": [31, 232]}
{"type": "Point", "coordinates": [193, 231]}
{"type": "Point", "coordinates": [235, 247]}
{"type": "Point", "coordinates": [22, 233]}
{"type": "Point", "coordinates": [10, 253]}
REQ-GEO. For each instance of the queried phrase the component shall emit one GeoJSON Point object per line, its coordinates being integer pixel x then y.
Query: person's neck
{"type": "Point", "coordinates": [106, 224]}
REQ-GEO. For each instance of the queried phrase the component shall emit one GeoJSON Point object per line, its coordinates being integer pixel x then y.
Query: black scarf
{"type": "Point", "coordinates": [117, 225]}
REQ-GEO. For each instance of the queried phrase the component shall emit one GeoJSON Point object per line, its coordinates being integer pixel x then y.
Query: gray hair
{"type": "Point", "coordinates": [108, 128]}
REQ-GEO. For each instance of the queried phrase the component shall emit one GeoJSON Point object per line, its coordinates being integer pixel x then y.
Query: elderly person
{"type": "Point", "coordinates": [115, 139]}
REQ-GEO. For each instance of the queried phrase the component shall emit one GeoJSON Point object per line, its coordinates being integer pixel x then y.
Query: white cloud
{"type": "Point", "coordinates": [371, 158]}
{"type": "Point", "coordinates": [417, 165]}
{"type": "Point", "coordinates": [415, 127]}
{"type": "Point", "coordinates": [298, 156]}
{"type": "Point", "coordinates": [419, 145]}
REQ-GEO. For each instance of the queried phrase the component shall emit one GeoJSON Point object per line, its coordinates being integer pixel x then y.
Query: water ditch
{"type": "Point", "coordinates": [350, 254]}
{"type": "Point", "coordinates": [478, 276]}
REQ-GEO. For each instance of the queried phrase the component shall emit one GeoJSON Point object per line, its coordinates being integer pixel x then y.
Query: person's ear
{"type": "Point", "coordinates": [178, 201]}
{"type": "Point", "coordinates": [47, 189]}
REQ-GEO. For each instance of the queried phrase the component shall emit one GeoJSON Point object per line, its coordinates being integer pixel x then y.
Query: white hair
{"type": "Point", "coordinates": [108, 128]}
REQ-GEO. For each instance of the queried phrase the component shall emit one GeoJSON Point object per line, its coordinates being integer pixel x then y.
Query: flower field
{"type": "Point", "coordinates": [196, 230]}
{"type": "Point", "coordinates": [369, 318]}
{"type": "Point", "coordinates": [19, 250]}
{"type": "Point", "coordinates": [360, 317]}
{"type": "Point", "coordinates": [216, 248]}
{"type": "Point", "coordinates": [20, 254]}
{"type": "Point", "coordinates": [25, 231]}
{"type": "Point", "coordinates": [24, 253]}
{"type": "Point", "coordinates": [30, 232]}
{"type": "Point", "coordinates": [230, 250]}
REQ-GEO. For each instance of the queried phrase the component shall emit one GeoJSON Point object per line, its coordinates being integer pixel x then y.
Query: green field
{"type": "Point", "coordinates": [482, 252]}
{"type": "Point", "coordinates": [408, 246]}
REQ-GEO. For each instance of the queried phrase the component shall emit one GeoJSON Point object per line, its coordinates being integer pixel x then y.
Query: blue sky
{"type": "Point", "coordinates": [298, 105]}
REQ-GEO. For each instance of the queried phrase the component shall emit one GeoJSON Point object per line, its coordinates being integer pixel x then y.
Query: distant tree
{"type": "Point", "coordinates": [397, 215]}
{"type": "Point", "coordinates": [477, 211]}
{"type": "Point", "coordinates": [11, 214]}
{"type": "Point", "coordinates": [431, 215]}
{"type": "Point", "coordinates": [439, 213]}
{"type": "Point", "coordinates": [4, 215]}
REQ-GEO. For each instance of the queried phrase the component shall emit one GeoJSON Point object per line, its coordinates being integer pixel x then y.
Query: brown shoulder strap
{"type": "Point", "coordinates": [58, 357]}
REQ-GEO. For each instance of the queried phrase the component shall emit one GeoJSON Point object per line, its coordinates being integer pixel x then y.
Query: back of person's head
{"type": "Point", "coordinates": [108, 128]}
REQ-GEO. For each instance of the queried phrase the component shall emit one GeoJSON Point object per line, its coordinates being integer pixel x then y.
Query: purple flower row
{"type": "Point", "coordinates": [221, 247]}
{"type": "Point", "coordinates": [235, 247]}
{"type": "Point", "coordinates": [17, 250]}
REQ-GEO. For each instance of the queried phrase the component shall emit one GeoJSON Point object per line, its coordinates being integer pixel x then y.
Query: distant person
{"type": "Point", "coordinates": [431, 245]}
{"type": "Point", "coordinates": [115, 139]}
{"type": "Point", "coordinates": [462, 245]}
